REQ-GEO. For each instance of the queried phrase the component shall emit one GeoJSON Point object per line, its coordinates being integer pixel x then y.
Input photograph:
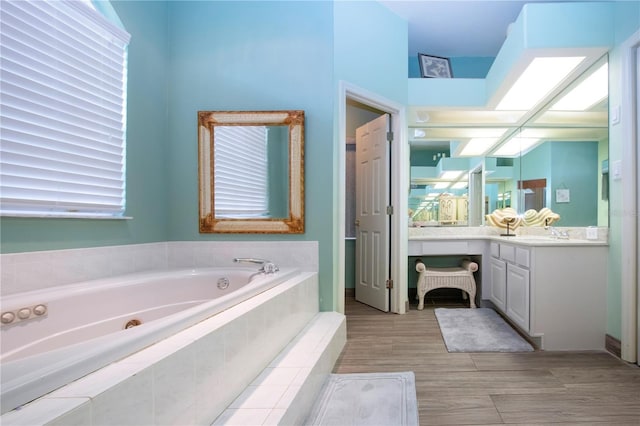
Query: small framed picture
{"type": "Point", "coordinates": [563, 196]}
{"type": "Point", "coordinates": [434, 66]}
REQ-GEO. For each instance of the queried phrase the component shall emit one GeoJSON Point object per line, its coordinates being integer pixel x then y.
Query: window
{"type": "Point", "coordinates": [62, 101]}
{"type": "Point", "coordinates": [241, 191]}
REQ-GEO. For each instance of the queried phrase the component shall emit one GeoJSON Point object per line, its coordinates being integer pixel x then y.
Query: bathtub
{"type": "Point", "coordinates": [73, 330]}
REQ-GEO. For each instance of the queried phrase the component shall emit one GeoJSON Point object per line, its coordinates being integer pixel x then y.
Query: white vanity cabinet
{"type": "Point", "coordinates": [510, 282]}
{"type": "Point", "coordinates": [554, 293]}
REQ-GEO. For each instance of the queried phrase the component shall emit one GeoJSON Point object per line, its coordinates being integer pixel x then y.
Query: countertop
{"type": "Point", "coordinates": [533, 238]}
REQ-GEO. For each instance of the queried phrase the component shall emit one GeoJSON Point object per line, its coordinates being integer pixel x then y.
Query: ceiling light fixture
{"type": "Point", "coordinates": [588, 93]}
{"type": "Point", "coordinates": [419, 133]}
{"type": "Point", "coordinates": [422, 116]}
{"type": "Point", "coordinates": [540, 77]}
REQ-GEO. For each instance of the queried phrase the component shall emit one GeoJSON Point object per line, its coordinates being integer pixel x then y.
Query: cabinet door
{"type": "Point", "coordinates": [498, 287]}
{"type": "Point", "coordinates": [518, 295]}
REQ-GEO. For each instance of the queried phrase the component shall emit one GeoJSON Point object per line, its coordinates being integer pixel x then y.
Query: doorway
{"type": "Point", "coordinates": [349, 93]}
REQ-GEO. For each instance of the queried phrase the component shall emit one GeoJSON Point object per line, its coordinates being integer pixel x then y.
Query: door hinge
{"type": "Point", "coordinates": [389, 210]}
{"type": "Point", "coordinates": [389, 283]}
{"type": "Point", "coordinates": [390, 136]}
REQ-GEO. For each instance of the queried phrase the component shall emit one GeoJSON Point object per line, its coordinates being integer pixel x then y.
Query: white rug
{"type": "Point", "coordinates": [373, 399]}
{"type": "Point", "coordinates": [478, 330]}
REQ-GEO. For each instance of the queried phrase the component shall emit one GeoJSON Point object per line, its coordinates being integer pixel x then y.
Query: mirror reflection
{"type": "Point", "coordinates": [251, 167]}
{"type": "Point", "coordinates": [556, 159]}
{"type": "Point", "coordinates": [251, 171]}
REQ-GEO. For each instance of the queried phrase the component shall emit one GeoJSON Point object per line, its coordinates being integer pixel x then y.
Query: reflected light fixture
{"type": "Point", "coordinates": [451, 174]}
{"type": "Point", "coordinates": [540, 77]}
{"type": "Point", "coordinates": [482, 142]}
{"type": "Point", "coordinates": [515, 146]}
{"type": "Point", "coordinates": [459, 185]}
{"type": "Point", "coordinates": [441, 185]}
{"type": "Point", "coordinates": [588, 93]}
{"type": "Point", "coordinates": [477, 147]}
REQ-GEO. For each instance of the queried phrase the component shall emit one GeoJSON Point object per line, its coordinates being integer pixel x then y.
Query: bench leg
{"type": "Point", "coordinates": [420, 301]}
{"type": "Point", "coordinates": [472, 298]}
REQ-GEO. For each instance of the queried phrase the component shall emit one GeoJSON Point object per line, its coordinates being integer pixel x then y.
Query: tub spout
{"type": "Point", "coordinates": [268, 267]}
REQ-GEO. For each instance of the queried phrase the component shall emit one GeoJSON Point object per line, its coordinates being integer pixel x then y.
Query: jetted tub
{"type": "Point", "coordinates": [75, 329]}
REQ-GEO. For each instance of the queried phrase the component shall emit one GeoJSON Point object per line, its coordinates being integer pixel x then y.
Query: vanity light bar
{"type": "Point", "coordinates": [540, 77]}
{"type": "Point", "coordinates": [588, 93]}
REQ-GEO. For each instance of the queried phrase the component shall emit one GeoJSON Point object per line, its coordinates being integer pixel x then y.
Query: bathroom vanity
{"type": "Point", "coordinates": [552, 290]}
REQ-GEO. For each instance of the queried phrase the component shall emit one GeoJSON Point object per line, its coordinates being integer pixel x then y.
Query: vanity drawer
{"type": "Point", "coordinates": [522, 257]}
{"type": "Point", "coordinates": [445, 247]}
{"type": "Point", "coordinates": [495, 250]}
{"type": "Point", "coordinates": [508, 253]}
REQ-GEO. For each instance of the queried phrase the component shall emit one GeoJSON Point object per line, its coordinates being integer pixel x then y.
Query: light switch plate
{"type": "Point", "coordinates": [616, 169]}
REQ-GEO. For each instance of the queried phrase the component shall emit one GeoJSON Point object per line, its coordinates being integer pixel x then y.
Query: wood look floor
{"type": "Point", "coordinates": [567, 388]}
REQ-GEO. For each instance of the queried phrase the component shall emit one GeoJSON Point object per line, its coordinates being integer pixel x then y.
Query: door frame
{"type": "Point", "coordinates": [630, 238]}
{"type": "Point", "coordinates": [399, 179]}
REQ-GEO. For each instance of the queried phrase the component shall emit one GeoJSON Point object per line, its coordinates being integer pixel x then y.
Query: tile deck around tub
{"type": "Point", "coordinates": [287, 388]}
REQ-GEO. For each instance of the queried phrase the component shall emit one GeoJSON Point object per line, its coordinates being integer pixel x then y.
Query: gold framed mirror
{"type": "Point", "coordinates": [251, 171]}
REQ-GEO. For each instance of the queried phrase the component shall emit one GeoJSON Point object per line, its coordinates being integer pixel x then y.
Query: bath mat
{"type": "Point", "coordinates": [373, 399]}
{"type": "Point", "coordinates": [478, 330]}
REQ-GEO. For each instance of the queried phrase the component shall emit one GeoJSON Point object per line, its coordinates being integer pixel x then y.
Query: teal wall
{"type": "Point", "coordinates": [147, 144]}
{"type": "Point", "coordinates": [567, 165]}
{"type": "Point", "coordinates": [376, 64]}
{"type": "Point", "coordinates": [574, 166]}
{"type": "Point", "coordinates": [259, 55]}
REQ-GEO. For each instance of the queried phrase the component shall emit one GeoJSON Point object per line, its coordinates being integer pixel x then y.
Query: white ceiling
{"type": "Point", "coordinates": [455, 28]}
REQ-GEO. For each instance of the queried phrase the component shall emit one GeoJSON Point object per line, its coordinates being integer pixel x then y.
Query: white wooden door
{"type": "Point", "coordinates": [372, 219]}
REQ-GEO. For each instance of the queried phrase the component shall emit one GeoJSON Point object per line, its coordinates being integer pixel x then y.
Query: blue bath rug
{"type": "Point", "coordinates": [371, 399]}
{"type": "Point", "coordinates": [478, 330]}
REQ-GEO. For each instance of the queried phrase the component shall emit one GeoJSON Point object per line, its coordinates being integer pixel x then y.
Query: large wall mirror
{"type": "Point", "coordinates": [555, 157]}
{"type": "Point", "coordinates": [251, 171]}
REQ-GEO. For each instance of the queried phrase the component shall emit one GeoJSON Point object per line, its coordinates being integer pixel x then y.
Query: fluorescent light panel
{"type": "Point", "coordinates": [515, 146]}
{"type": "Point", "coordinates": [451, 174]}
{"type": "Point", "coordinates": [478, 146]}
{"type": "Point", "coordinates": [482, 142]}
{"type": "Point", "coordinates": [537, 81]}
{"type": "Point", "coordinates": [588, 93]}
{"type": "Point", "coordinates": [459, 185]}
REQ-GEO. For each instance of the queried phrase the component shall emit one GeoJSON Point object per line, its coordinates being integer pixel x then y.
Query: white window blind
{"type": "Point", "coordinates": [62, 110]}
{"type": "Point", "coordinates": [240, 171]}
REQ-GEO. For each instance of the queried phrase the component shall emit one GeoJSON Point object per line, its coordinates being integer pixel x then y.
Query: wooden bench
{"type": "Point", "coordinates": [456, 277]}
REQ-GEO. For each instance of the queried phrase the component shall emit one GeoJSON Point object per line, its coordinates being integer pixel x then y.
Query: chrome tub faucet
{"type": "Point", "coordinates": [267, 267]}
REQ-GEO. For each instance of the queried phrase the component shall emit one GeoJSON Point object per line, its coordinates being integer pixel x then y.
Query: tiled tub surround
{"type": "Point", "coordinates": [82, 329]}
{"type": "Point", "coordinates": [22, 272]}
{"type": "Point", "coordinates": [193, 376]}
